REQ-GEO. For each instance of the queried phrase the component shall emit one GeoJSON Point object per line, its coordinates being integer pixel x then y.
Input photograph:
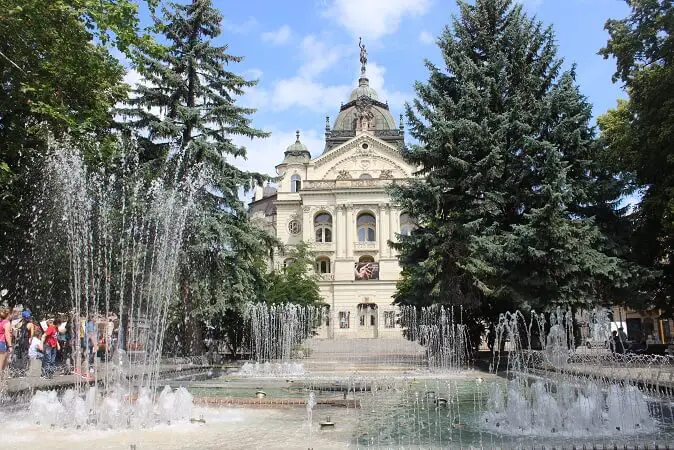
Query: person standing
{"type": "Point", "coordinates": [5, 341]}
{"type": "Point", "coordinates": [618, 346]}
{"type": "Point", "coordinates": [51, 346]}
{"type": "Point", "coordinates": [22, 334]}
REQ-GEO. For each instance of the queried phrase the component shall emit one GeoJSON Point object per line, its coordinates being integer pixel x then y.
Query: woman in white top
{"type": "Point", "coordinates": [36, 350]}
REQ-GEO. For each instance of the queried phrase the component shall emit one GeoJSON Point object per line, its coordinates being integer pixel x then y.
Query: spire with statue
{"type": "Point", "coordinates": [363, 56]}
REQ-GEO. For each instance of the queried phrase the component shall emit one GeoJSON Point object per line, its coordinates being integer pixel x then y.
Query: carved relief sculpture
{"type": "Point", "coordinates": [364, 115]}
{"type": "Point", "coordinates": [344, 175]}
{"type": "Point", "coordinates": [386, 174]}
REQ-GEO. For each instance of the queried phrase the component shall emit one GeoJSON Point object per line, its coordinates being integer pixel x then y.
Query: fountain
{"type": "Point", "coordinates": [418, 391]}
{"type": "Point", "coordinates": [123, 236]}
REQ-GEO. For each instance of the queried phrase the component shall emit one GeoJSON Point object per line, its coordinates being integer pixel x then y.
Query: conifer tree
{"type": "Point", "coordinates": [186, 108]}
{"type": "Point", "coordinates": [509, 181]}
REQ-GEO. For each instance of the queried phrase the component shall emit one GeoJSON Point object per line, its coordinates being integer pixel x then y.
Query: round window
{"type": "Point", "coordinates": [364, 146]}
{"type": "Point", "coordinates": [294, 226]}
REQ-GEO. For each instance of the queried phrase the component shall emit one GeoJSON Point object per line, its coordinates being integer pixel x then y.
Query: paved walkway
{"type": "Point", "coordinates": [30, 383]}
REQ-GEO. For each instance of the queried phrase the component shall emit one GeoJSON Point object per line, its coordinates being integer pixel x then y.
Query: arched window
{"type": "Point", "coordinates": [367, 228]}
{"type": "Point", "coordinates": [407, 224]}
{"type": "Point", "coordinates": [323, 265]}
{"type": "Point", "coordinates": [323, 227]}
{"type": "Point", "coordinates": [295, 183]}
{"type": "Point", "coordinates": [365, 176]}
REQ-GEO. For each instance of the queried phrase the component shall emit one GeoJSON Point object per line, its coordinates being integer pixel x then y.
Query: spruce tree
{"type": "Point", "coordinates": [186, 109]}
{"type": "Point", "coordinates": [506, 154]}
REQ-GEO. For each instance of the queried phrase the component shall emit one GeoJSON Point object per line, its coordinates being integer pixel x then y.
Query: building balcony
{"type": "Point", "coordinates": [366, 246]}
{"type": "Point", "coordinates": [323, 246]}
{"type": "Point", "coordinates": [322, 185]}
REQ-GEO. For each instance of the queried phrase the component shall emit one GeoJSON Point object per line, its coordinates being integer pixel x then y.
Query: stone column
{"type": "Point", "coordinates": [381, 231]}
{"type": "Point", "coordinates": [391, 227]}
{"type": "Point", "coordinates": [307, 225]}
{"type": "Point", "coordinates": [337, 233]}
{"type": "Point", "coordinates": [348, 241]}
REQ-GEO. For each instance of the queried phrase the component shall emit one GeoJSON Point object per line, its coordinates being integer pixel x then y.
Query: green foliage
{"type": "Point", "coordinates": [509, 206]}
{"type": "Point", "coordinates": [186, 106]}
{"type": "Point", "coordinates": [639, 133]}
{"type": "Point", "coordinates": [297, 282]}
{"type": "Point", "coordinates": [57, 82]}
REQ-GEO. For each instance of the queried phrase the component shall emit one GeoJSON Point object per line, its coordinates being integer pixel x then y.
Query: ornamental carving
{"type": "Point", "coordinates": [294, 227]}
{"type": "Point", "coordinates": [386, 174]}
{"type": "Point", "coordinates": [387, 133]}
{"type": "Point", "coordinates": [365, 163]}
{"type": "Point", "coordinates": [364, 115]}
{"type": "Point", "coordinates": [341, 133]}
{"type": "Point", "coordinates": [343, 152]}
{"type": "Point", "coordinates": [344, 175]}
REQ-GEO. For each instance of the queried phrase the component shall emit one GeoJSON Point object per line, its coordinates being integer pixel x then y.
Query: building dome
{"type": "Point", "coordinates": [363, 113]}
{"type": "Point", "coordinates": [363, 90]}
{"type": "Point", "coordinates": [366, 97]}
{"type": "Point", "coordinates": [297, 152]}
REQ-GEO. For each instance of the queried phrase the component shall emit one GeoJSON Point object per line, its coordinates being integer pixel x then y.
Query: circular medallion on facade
{"type": "Point", "coordinates": [294, 226]}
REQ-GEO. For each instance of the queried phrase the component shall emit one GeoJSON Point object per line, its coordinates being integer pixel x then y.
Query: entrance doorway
{"type": "Point", "coordinates": [368, 320]}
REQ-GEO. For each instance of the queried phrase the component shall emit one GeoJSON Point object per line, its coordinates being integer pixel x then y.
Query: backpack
{"type": "Point", "coordinates": [22, 334]}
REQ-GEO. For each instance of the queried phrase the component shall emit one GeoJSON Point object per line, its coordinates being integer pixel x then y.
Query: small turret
{"type": "Point", "coordinates": [297, 152]}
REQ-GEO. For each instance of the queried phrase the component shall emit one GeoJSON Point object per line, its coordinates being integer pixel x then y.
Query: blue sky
{"type": "Point", "coordinates": [305, 55]}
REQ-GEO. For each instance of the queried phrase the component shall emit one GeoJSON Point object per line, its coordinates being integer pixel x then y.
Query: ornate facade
{"type": "Point", "coordinates": [338, 203]}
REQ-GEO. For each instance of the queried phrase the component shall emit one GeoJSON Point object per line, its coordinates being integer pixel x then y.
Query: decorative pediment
{"type": "Point", "coordinates": [365, 154]}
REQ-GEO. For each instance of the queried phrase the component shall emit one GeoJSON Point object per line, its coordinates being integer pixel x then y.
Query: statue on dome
{"type": "Point", "coordinates": [363, 55]}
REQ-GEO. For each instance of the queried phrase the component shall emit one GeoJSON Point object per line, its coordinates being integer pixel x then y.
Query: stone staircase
{"type": "Point", "coordinates": [363, 355]}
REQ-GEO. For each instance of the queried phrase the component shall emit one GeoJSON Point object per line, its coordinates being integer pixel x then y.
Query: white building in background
{"type": "Point", "coordinates": [337, 202]}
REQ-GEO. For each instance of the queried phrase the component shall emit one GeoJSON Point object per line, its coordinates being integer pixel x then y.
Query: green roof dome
{"type": "Point", "coordinates": [297, 152]}
{"type": "Point", "coordinates": [363, 90]}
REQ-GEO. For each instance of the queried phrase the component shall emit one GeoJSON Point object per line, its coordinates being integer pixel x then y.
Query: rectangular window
{"type": "Point", "coordinates": [362, 320]}
{"type": "Point", "coordinates": [373, 320]}
{"type": "Point", "coordinates": [389, 319]}
{"type": "Point", "coordinates": [344, 319]}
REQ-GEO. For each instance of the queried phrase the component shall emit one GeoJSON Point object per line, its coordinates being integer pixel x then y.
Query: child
{"type": "Point", "coordinates": [36, 349]}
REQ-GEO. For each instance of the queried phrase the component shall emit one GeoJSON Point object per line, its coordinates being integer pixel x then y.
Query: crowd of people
{"type": "Point", "coordinates": [27, 343]}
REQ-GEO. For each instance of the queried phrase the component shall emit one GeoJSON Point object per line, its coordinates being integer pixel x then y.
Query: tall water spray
{"type": "Point", "coordinates": [441, 332]}
{"type": "Point", "coordinates": [276, 331]}
{"type": "Point", "coordinates": [123, 236]}
{"type": "Point", "coordinates": [550, 391]}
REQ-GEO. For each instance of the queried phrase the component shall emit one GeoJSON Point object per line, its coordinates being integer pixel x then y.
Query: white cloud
{"type": "Point", "coordinates": [253, 74]}
{"type": "Point", "coordinates": [241, 28]}
{"type": "Point", "coordinates": [395, 99]}
{"type": "Point", "coordinates": [531, 4]}
{"type": "Point", "coordinates": [265, 154]}
{"type": "Point", "coordinates": [318, 56]}
{"type": "Point", "coordinates": [132, 78]}
{"type": "Point", "coordinates": [277, 37]}
{"type": "Point", "coordinates": [426, 38]}
{"type": "Point", "coordinates": [305, 89]}
{"type": "Point", "coordinates": [306, 93]}
{"type": "Point", "coordinates": [374, 18]}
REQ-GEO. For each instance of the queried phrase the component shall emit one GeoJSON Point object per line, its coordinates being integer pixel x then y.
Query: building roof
{"type": "Point", "coordinates": [297, 152]}
{"type": "Point", "coordinates": [363, 112]}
